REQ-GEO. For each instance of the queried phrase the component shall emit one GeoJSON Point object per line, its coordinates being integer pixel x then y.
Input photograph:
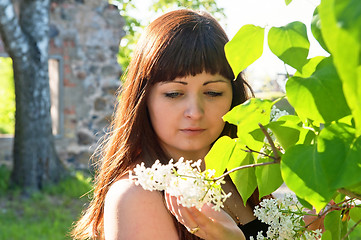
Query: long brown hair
{"type": "Point", "coordinates": [177, 44]}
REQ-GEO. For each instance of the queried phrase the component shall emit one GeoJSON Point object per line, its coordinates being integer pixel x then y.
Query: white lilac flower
{"type": "Point", "coordinates": [284, 217]}
{"type": "Point", "coordinates": [192, 187]}
{"type": "Point", "coordinates": [184, 180]}
{"type": "Point", "coordinates": [274, 116]}
{"type": "Point", "coordinates": [277, 113]}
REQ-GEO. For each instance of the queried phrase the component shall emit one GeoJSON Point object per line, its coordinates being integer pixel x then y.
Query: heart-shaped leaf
{"type": "Point", "coordinates": [290, 44]}
{"type": "Point", "coordinates": [245, 47]}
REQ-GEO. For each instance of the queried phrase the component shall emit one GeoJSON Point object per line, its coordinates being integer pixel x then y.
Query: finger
{"type": "Point", "coordinates": [198, 219]}
{"type": "Point", "coordinates": [168, 202]}
{"type": "Point", "coordinates": [220, 214]}
{"type": "Point", "coordinates": [173, 207]}
{"type": "Point", "coordinates": [187, 218]}
{"type": "Point", "coordinates": [182, 215]}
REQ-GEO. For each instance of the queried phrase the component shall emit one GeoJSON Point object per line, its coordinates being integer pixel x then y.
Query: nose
{"type": "Point", "coordinates": [194, 108]}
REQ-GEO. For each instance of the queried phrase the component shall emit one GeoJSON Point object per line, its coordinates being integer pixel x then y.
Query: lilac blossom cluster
{"type": "Point", "coordinates": [285, 219]}
{"type": "Point", "coordinates": [184, 180]}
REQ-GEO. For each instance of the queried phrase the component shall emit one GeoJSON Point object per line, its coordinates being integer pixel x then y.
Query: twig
{"type": "Point", "coordinates": [245, 166]}
{"type": "Point", "coordinates": [351, 229]}
{"type": "Point", "coordinates": [262, 153]}
{"type": "Point", "coordinates": [274, 149]}
{"type": "Point", "coordinates": [333, 206]}
{"type": "Point", "coordinates": [276, 158]}
{"type": "Point", "coordinates": [319, 216]}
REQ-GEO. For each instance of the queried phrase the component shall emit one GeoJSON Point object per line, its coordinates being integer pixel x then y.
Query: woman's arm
{"type": "Point", "coordinates": [207, 224]}
{"type": "Point", "coordinates": [133, 213]}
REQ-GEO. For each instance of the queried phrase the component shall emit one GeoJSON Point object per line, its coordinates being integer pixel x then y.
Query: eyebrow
{"type": "Point", "coordinates": [204, 84]}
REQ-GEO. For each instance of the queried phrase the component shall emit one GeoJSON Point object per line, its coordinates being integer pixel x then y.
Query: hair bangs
{"type": "Point", "coordinates": [192, 50]}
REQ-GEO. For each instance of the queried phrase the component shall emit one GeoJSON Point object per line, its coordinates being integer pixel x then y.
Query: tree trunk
{"type": "Point", "coordinates": [26, 40]}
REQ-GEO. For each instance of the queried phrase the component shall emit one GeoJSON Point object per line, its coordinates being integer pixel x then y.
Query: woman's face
{"type": "Point", "coordinates": [186, 113]}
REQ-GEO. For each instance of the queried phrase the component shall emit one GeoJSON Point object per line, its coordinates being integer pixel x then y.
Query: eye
{"type": "Point", "coordinates": [173, 94]}
{"type": "Point", "coordinates": [213, 93]}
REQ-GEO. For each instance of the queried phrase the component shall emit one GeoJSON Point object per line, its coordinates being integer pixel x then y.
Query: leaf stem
{"type": "Point", "coordinates": [351, 229]}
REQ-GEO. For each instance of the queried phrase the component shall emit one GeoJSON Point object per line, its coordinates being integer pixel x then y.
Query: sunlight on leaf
{"type": "Point", "coordinates": [339, 154]}
{"type": "Point", "coordinates": [289, 131]}
{"type": "Point", "coordinates": [320, 96]}
{"type": "Point", "coordinates": [290, 44]}
{"type": "Point", "coordinates": [340, 24]}
{"type": "Point", "coordinates": [245, 180]}
{"type": "Point", "coordinates": [316, 29]}
{"type": "Point", "coordinates": [269, 177]}
{"type": "Point", "coordinates": [219, 155]}
{"type": "Point", "coordinates": [245, 47]}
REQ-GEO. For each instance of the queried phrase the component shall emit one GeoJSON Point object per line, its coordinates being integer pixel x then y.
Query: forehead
{"type": "Point", "coordinates": [201, 78]}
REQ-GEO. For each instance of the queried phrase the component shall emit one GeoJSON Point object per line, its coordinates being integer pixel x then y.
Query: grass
{"type": "Point", "coordinates": [46, 215]}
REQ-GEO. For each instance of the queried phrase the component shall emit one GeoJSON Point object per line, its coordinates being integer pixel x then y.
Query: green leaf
{"type": "Point", "coordinates": [339, 155]}
{"type": "Point", "coordinates": [288, 2]}
{"type": "Point", "coordinates": [247, 115]}
{"type": "Point", "coordinates": [290, 44]}
{"type": "Point", "coordinates": [309, 68]}
{"type": "Point", "coordinates": [333, 224]}
{"type": "Point", "coordinates": [269, 177]}
{"type": "Point", "coordinates": [304, 203]}
{"type": "Point", "coordinates": [303, 174]}
{"type": "Point", "coordinates": [314, 173]}
{"type": "Point", "coordinates": [355, 214]}
{"type": "Point", "coordinates": [326, 235]}
{"type": "Point", "coordinates": [356, 233]}
{"type": "Point", "coordinates": [319, 97]}
{"type": "Point", "coordinates": [344, 229]}
{"type": "Point", "coordinates": [244, 179]}
{"type": "Point", "coordinates": [289, 131]}
{"type": "Point", "coordinates": [341, 31]}
{"type": "Point", "coordinates": [245, 47]}
{"type": "Point", "coordinates": [316, 29]}
{"type": "Point", "coordinates": [355, 189]}
{"type": "Point", "coordinates": [219, 155]}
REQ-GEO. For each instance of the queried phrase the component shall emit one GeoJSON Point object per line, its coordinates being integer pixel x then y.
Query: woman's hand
{"type": "Point", "coordinates": [208, 223]}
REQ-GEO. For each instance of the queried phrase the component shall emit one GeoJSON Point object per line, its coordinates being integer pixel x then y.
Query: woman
{"type": "Point", "coordinates": [177, 88]}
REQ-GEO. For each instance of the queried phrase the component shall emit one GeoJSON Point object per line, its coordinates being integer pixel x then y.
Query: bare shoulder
{"type": "Point", "coordinates": [131, 212]}
{"type": "Point", "coordinates": [124, 189]}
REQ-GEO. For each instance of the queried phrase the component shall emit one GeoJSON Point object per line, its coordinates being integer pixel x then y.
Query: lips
{"type": "Point", "coordinates": [192, 131]}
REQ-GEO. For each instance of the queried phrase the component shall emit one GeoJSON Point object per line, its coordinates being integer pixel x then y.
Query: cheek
{"type": "Point", "coordinates": [224, 107]}
{"type": "Point", "coordinates": [159, 116]}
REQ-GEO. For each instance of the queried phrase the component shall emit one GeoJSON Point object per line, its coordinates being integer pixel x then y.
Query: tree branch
{"type": "Point", "coordinates": [328, 208]}
{"type": "Point", "coordinates": [10, 31]}
{"type": "Point", "coordinates": [276, 158]}
{"type": "Point", "coordinates": [274, 149]}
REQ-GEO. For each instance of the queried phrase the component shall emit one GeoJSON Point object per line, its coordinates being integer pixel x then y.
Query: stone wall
{"type": "Point", "coordinates": [85, 38]}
